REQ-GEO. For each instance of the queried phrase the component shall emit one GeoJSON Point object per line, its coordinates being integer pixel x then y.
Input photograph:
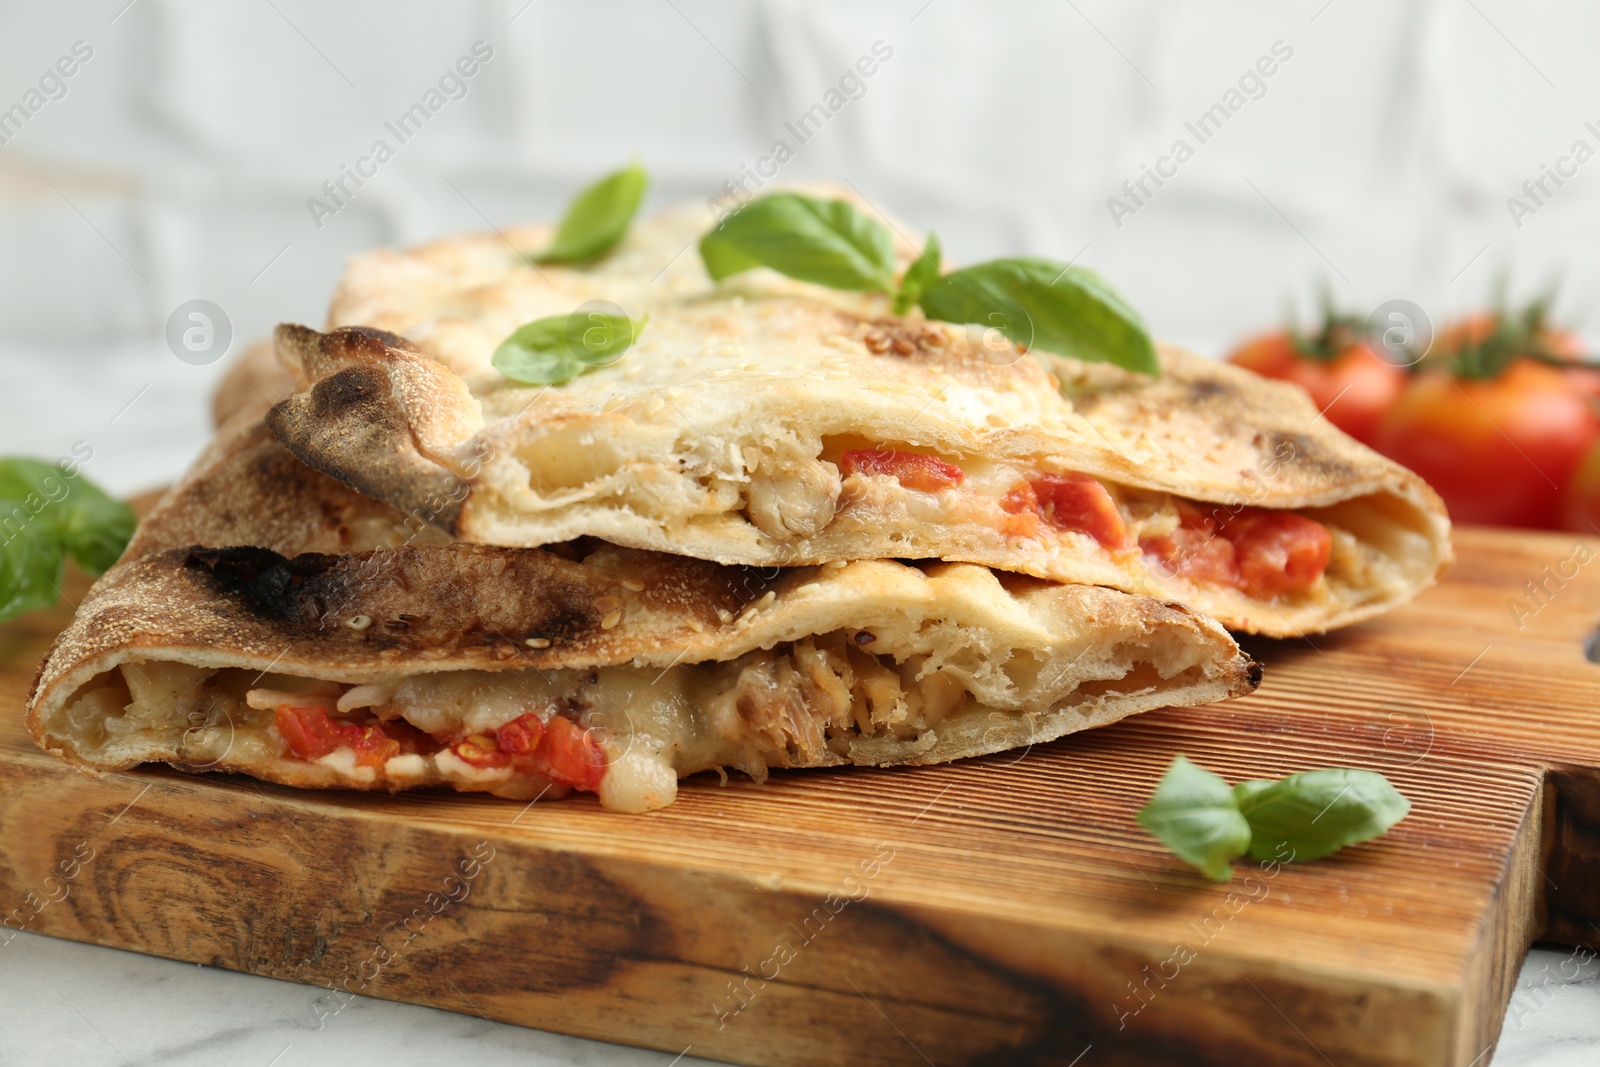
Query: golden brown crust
{"type": "Point", "coordinates": [376, 417]}
{"type": "Point", "coordinates": [245, 488]}
{"type": "Point", "coordinates": [1220, 433]}
{"type": "Point", "coordinates": [253, 382]}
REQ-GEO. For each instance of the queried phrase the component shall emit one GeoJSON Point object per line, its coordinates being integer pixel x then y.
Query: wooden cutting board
{"type": "Point", "coordinates": [1005, 910]}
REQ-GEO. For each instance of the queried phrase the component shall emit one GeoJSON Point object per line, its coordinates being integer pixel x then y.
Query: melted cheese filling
{"type": "Point", "coordinates": [803, 703]}
{"type": "Point", "coordinates": [1368, 560]}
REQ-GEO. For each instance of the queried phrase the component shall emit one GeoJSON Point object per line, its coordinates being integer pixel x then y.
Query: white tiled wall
{"type": "Point", "coordinates": [1377, 157]}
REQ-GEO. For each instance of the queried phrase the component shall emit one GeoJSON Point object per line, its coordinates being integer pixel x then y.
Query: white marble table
{"type": "Point", "coordinates": [144, 414]}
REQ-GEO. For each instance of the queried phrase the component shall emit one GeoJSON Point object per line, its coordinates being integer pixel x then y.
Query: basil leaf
{"type": "Point", "coordinates": [827, 242]}
{"type": "Point", "coordinates": [723, 258]}
{"type": "Point", "coordinates": [1193, 813]}
{"type": "Point", "coordinates": [598, 217]}
{"type": "Point", "coordinates": [1316, 813]}
{"type": "Point", "coordinates": [21, 478]}
{"type": "Point", "coordinates": [1036, 303]}
{"type": "Point", "coordinates": [92, 527]}
{"type": "Point", "coordinates": [921, 274]}
{"type": "Point", "coordinates": [30, 563]}
{"type": "Point", "coordinates": [97, 528]}
{"type": "Point", "coordinates": [554, 350]}
{"type": "Point", "coordinates": [47, 514]}
{"type": "Point", "coordinates": [1246, 791]}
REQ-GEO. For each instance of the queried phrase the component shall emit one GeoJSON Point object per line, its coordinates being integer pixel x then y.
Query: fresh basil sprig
{"type": "Point", "coordinates": [47, 515]}
{"type": "Point", "coordinates": [922, 273]}
{"type": "Point", "coordinates": [598, 217]}
{"type": "Point", "coordinates": [1318, 812]}
{"type": "Point", "coordinates": [1312, 814]}
{"type": "Point", "coordinates": [554, 350]}
{"type": "Point", "coordinates": [1035, 303]}
{"type": "Point", "coordinates": [1194, 813]}
{"type": "Point", "coordinates": [827, 242]}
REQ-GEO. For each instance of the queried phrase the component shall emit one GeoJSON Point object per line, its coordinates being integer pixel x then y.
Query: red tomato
{"type": "Point", "coordinates": [1267, 553]}
{"type": "Point", "coordinates": [1079, 502]}
{"type": "Point", "coordinates": [373, 747]}
{"type": "Point", "coordinates": [1580, 504]}
{"type": "Point", "coordinates": [1278, 551]}
{"type": "Point", "coordinates": [308, 730]}
{"type": "Point", "coordinates": [311, 734]}
{"type": "Point", "coordinates": [1585, 380]}
{"type": "Point", "coordinates": [1021, 506]}
{"type": "Point", "coordinates": [1526, 329]}
{"type": "Point", "coordinates": [521, 735]}
{"type": "Point", "coordinates": [1194, 551]}
{"type": "Point", "coordinates": [914, 470]}
{"type": "Point", "coordinates": [1350, 383]}
{"type": "Point", "coordinates": [1496, 449]}
{"type": "Point", "coordinates": [482, 751]}
{"type": "Point", "coordinates": [569, 754]}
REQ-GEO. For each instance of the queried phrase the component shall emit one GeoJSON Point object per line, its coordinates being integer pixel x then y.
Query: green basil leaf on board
{"type": "Point", "coordinates": [30, 568]}
{"type": "Point", "coordinates": [1303, 817]}
{"type": "Point", "coordinates": [21, 477]}
{"type": "Point", "coordinates": [557, 349]}
{"type": "Point", "coordinates": [598, 217]}
{"type": "Point", "coordinates": [1041, 304]}
{"type": "Point", "coordinates": [46, 515]}
{"type": "Point", "coordinates": [1193, 813]}
{"type": "Point", "coordinates": [827, 242]}
{"type": "Point", "coordinates": [1316, 813]}
{"type": "Point", "coordinates": [97, 528]}
{"type": "Point", "coordinates": [1245, 791]}
{"type": "Point", "coordinates": [923, 272]}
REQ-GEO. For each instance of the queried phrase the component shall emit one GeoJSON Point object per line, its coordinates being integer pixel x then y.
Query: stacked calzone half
{"type": "Point", "coordinates": [773, 423]}
{"type": "Point", "coordinates": [786, 528]}
{"type": "Point", "coordinates": [330, 643]}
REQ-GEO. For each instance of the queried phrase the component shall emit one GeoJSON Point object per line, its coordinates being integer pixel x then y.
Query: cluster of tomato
{"type": "Point", "coordinates": [559, 749]}
{"type": "Point", "coordinates": [1501, 414]}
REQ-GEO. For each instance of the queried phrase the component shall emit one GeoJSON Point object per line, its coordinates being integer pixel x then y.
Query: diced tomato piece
{"type": "Point", "coordinates": [569, 754]}
{"type": "Point", "coordinates": [309, 731]}
{"type": "Point", "coordinates": [1021, 506]}
{"type": "Point", "coordinates": [482, 751]}
{"type": "Point", "coordinates": [561, 750]}
{"type": "Point", "coordinates": [1194, 553]}
{"type": "Point", "coordinates": [1079, 502]}
{"type": "Point", "coordinates": [914, 470]}
{"type": "Point", "coordinates": [521, 736]}
{"type": "Point", "coordinates": [1279, 551]}
{"type": "Point", "coordinates": [1191, 517]}
{"type": "Point", "coordinates": [311, 734]}
{"type": "Point", "coordinates": [1267, 553]}
{"type": "Point", "coordinates": [373, 747]}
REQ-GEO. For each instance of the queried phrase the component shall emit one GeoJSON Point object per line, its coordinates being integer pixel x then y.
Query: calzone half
{"type": "Point", "coordinates": [350, 647]}
{"type": "Point", "coordinates": [768, 422]}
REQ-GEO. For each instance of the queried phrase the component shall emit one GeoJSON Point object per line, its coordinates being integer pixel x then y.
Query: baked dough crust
{"type": "Point", "coordinates": [716, 434]}
{"type": "Point", "coordinates": [343, 589]}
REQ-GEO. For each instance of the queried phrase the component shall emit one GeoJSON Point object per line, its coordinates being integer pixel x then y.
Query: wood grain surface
{"type": "Point", "coordinates": [1004, 910]}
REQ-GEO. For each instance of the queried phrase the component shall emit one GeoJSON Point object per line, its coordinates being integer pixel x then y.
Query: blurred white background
{"type": "Point", "coordinates": [176, 161]}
